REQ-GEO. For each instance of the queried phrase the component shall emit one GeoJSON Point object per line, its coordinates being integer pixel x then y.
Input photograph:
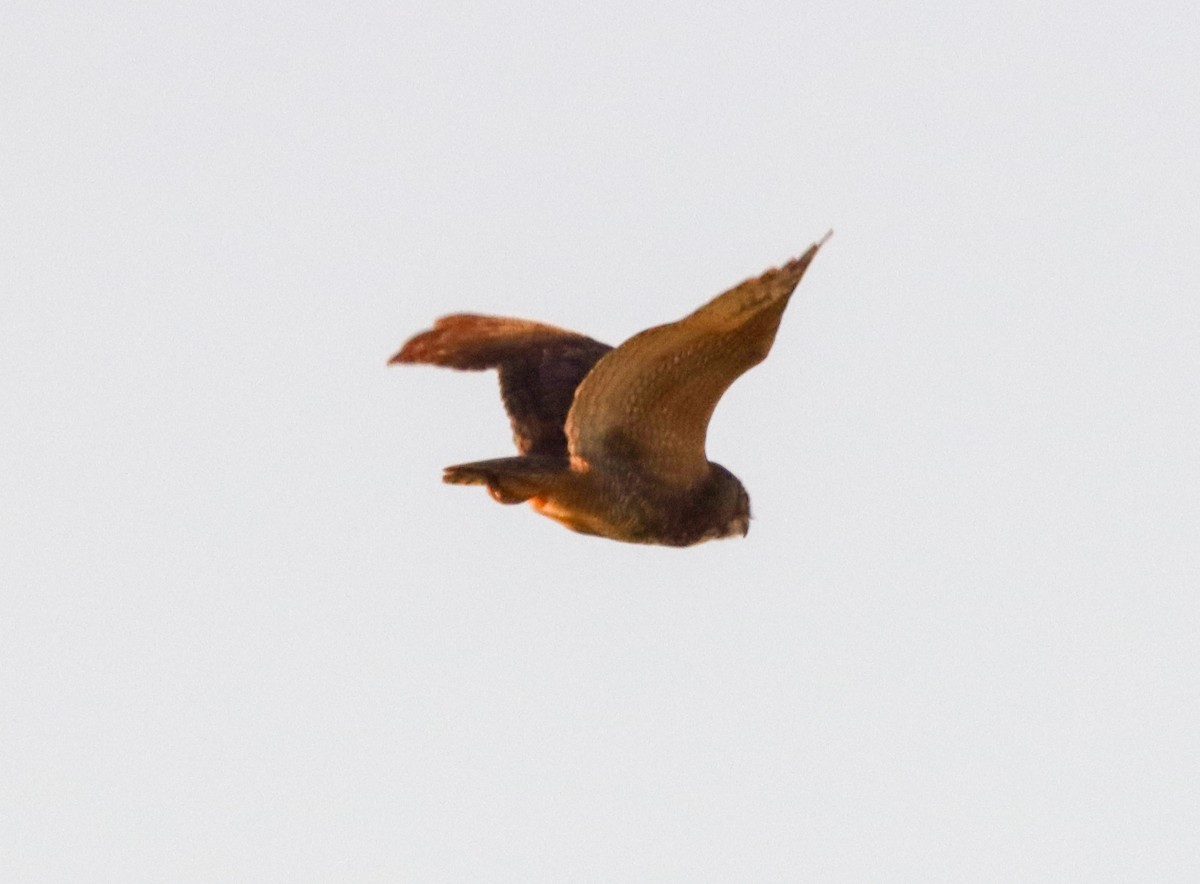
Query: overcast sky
{"type": "Point", "coordinates": [246, 634]}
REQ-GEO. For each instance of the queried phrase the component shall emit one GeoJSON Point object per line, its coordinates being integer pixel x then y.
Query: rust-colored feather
{"type": "Point", "coordinates": [648, 402]}
{"type": "Point", "coordinates": [540, 366]}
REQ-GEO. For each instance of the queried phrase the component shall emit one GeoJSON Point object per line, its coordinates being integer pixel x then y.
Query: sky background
{"type": "Point", "coordinates": [246, 634]}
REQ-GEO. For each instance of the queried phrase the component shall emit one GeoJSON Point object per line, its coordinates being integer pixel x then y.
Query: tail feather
{"type": "Point", "coordinates": [509, 479]}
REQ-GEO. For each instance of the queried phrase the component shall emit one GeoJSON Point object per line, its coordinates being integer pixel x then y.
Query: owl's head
{"type": "Point", "coordinates": [725, 505]}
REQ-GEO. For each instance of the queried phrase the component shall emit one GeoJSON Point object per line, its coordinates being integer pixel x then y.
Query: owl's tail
{"type": "Point", "coordinates": [510, 479]}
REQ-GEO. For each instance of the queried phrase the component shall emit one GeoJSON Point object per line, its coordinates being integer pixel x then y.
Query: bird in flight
{"type": "Point", "coordinates": [611, 441]}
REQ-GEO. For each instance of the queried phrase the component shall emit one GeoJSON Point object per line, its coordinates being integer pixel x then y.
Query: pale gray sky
{"type": "Point", "coordinates": [247, 635]}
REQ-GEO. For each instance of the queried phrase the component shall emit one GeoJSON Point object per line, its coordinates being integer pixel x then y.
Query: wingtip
{"type": "Point", "coordinates": [418, 348]}
{"type": "Point", "coordinates": [798, 265]}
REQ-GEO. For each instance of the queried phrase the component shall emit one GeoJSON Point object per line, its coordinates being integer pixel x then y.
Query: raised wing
{"type": "Point", "coordinates": [540, 366]}
{"type": "Point", "coordinates": [647, 403]}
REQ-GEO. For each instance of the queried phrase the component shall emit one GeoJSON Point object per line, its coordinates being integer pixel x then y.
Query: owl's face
{"type": "Point", "coordinates": [727, 506]}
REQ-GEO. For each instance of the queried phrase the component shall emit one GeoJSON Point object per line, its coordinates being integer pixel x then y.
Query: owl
{"type": "Point", "coordinates": [610, 441]}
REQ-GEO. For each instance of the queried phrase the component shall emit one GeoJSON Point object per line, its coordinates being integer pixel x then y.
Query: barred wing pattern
{"type": "Point", "coordinates": [646, 405]}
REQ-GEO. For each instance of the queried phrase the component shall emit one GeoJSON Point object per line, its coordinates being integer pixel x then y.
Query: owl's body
{"type": "Point", "coordinates": [611, 441]}
{"type": "Point", "coordinates": [615, 500]}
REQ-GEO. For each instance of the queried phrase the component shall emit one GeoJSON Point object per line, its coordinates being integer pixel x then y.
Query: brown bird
{"type": "Point", "coordinates": [611, 441]}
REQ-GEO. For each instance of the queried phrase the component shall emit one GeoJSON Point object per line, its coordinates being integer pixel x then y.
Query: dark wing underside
{"type": "Point", "coordinates": [540, 366]}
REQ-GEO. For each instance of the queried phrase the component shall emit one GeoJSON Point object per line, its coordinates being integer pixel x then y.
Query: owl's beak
{"type": "Point", "coordinates": [740, 525]}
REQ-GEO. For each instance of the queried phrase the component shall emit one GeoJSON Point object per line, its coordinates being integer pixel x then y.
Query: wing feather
{"type": "Point", "coordinates": [647, 403]}
{"type": "Point", "coordinates": [540, 366]}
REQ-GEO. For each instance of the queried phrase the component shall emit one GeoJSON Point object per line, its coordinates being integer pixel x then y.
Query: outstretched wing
{"type": "Point", "coordinates": [648, 402]}
{"type": "Point", "coordinates": [540, 366]}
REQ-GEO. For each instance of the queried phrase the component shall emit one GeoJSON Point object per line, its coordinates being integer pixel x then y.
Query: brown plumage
{"type": "Point", "coordinates": [611, 442]}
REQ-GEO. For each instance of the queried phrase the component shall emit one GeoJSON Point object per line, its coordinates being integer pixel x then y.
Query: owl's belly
{"type": "Point", "coordinates": [574, 517]}
{"type": "Point", "coordinates": [599, 503]}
